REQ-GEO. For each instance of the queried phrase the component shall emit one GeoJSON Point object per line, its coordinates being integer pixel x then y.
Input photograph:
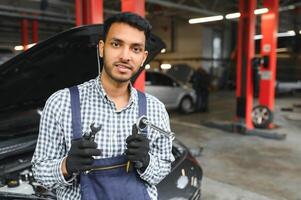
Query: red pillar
{"type": "Point", "coordinates": [78, 12]}
{"type": "Point", "coordinates": [269, 29]}
{"type": "Point", "coordinates": [92, 11]}
{"type": "Point", "coordinates": [138, 7]}
{"type": "Point", "coordinates": [24, 33]}
{"type": "Point", "coordinates": [35, 29]}
{"type": "Point", "coordinates": [245, 53]}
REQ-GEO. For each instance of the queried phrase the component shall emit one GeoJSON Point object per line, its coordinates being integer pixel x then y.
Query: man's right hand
{"type": "Point", "coordinates": [80, 156]}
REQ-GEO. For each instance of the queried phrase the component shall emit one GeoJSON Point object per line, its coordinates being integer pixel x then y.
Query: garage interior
{"type": "Point", "coordinates": [239, 160]}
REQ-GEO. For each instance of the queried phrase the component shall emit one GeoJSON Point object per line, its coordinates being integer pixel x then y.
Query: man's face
{"type": "Point", "coordinates": [123, 52]}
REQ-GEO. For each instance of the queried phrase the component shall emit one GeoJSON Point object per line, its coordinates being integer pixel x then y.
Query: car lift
{"type": "Point", "coordinates": [245, 60]}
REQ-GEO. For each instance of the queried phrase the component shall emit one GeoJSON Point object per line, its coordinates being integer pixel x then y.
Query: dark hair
{"type": "Point", "coordinates": [129, 18]}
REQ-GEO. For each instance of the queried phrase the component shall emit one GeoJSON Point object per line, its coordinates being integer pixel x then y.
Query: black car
{"type": "Point", "coordinates": [28, 79]}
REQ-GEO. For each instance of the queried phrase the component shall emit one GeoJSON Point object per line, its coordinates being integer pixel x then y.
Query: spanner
{"type": "Point", "coordinates": [91, 135]}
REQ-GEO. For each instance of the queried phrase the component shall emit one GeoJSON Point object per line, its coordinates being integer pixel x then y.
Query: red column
{"type": "Point", "coordinates": [35, 29]}
{"type": "Point", "coordinates": [245, 53]}
{"type": "Point", "coordinates": [78, 12]}
{"type": "Point", "coordinates": [138, 7]}
{"type": "Point", "coordinates": [92, 11]}
{"type": "Point", "coordinates": [24, 33]}
{"type": "Point", "coordinates": [269, 29]}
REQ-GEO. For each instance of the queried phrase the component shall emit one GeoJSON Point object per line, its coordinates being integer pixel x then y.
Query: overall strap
{"type": "Point", "coordinates": [142, 106]}
{"type": "Point", "coordinates": [75, 109]}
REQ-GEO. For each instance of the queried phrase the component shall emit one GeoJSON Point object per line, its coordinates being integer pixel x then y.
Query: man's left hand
{"type": "Point", "coordinates": [137, 149]}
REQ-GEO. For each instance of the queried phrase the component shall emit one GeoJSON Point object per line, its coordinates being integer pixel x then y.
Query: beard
{"type": "Point", "coordinates": [116, 78]}
{"type": "Point", "coordinates": [110, 71]}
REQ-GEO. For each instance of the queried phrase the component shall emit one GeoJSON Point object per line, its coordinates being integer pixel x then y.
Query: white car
{"type": "Point", "coordinates": [172, 93]}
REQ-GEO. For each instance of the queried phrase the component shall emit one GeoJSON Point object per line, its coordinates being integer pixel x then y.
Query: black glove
{"type": "Point", "coordinates": [80, 155]}
{"type": "Point", "coordinates": [137, 150]}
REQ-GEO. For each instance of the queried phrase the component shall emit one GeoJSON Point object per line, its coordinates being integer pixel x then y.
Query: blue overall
{"type": "Point", "coordinates": [108, 184]}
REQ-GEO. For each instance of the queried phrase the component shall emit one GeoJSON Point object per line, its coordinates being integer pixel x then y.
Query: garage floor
{"type": "Point", "coordinates": [240, 167]}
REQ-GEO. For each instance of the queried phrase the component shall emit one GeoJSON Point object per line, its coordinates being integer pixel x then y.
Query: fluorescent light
{"type": "Point", "coordinates": [279, 50]}
{"type": "Point", "coordinates": [163, 50]}
{"type": "Point", "coordinates": [233, 15]}
{"type": "Point", "coordinates": [261, 11]}
{"type": "Point", "coordinates": [257, 37]}
{"type": "Point", "coordinates": [21, 47]}
{"type": "Point", "coordinates": [286, 34]}
{"type": "Point", "coordinates": [283, 34]}
{"type": "Point", "coordinates": [165, 66]}
{"type": "Point", "coordinates": [206, 19]}
{"type": "Point", "coordinates": [147, 66]}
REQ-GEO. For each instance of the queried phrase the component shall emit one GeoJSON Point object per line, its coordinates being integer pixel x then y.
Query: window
{"type": "Point", "coordinates": [162, 80]}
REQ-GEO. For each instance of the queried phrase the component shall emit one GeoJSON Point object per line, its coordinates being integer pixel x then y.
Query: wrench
{"type": "Point", "coordinates": [91, 135]}
{"type": "Point", "coordinates": [143, 122]}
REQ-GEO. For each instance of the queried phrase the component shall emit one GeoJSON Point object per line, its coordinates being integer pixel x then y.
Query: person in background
{"type": "Point", "coordinates": [201, 85]}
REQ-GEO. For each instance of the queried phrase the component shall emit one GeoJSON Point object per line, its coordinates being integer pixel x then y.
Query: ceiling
{"type": "Point", "coordinates": [57, 15]}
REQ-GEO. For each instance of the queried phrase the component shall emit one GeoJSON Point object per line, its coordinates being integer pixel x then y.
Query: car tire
{"type": "Point", "coordinates": [186, 105]}
{"type": "Point", "coordinates": [262, 116]}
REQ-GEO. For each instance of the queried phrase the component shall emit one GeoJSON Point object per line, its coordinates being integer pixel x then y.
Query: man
{"type": "Point", "coordinates": [112, 102]}
{"type": "Point", "coordinates": [201, 83]}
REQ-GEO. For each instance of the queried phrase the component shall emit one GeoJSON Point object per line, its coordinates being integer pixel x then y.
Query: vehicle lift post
{"type": "Point", "coordinates": [245, 54]}
{"type": "Point", "coordinates": [245, 58]}
{"type": "Point", "coordinates": [269, 27]}
{"type": "Point", "coordinates": [88, 12]}
{"type": "Point", "coordinates": [24, 34]}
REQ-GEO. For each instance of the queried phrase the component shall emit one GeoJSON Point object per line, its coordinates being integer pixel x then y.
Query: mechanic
{"type": "Point", "coordinates": [201, 85]}
{"type": "Point", "coordinates": [65, 161]}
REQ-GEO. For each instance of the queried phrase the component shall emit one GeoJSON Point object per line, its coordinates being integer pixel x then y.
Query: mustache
{"type": "Point", "coordinates": [123, 64]}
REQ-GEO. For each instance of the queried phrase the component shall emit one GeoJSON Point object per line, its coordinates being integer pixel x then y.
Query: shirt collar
{"type": "Point", "coordinates": [102, 93]}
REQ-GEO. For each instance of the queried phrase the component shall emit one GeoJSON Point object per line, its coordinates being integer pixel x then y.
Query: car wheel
{"type": "Point", "coordinates": [262, 116]}
{"type": "Point", "coordinates": [186, 105]}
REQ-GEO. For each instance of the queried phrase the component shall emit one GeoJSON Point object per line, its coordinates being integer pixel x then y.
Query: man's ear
{"type": "Point", "coordinates": [101, 45]}
{"type": "Point", "coordinates": [144, 57]}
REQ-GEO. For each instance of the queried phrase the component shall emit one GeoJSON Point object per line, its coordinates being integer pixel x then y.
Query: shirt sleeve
{"type": "Point", "coordinates": [50, 149]}
{"type": "Point", "coordinates": [160, 152]}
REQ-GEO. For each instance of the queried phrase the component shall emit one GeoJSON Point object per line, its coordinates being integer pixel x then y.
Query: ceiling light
{"type": "Point", "coordinates": [165, 66]}
{"type": "Point", "coordinates": [147, 66]}
{"type": "Point", "coordinates": [206, 19]}
{"type": "Point", "coordinates": [233, 15]}
{"type": "Point", "coordinates": [21, 47]}
{"type": "Point", "coordinates": [286, 34]}
{"type": "Point", "coordinates": [261, 11]}
{"type": "Point", "coordinates": [279, 50]}
{"type": "Point", "coordinates": [300, 32]}
{"type": "Point", "coordinates": [257, 37]}
{"type": "Point", "coordinates": [163, 50]}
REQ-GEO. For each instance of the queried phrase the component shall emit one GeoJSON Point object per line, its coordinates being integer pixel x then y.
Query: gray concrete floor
{"type": "Point", "coordinates": [238, 167]}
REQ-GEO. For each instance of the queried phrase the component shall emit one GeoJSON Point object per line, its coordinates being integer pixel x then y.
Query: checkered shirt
{"type": "Point", "coordinates": [55, 136]}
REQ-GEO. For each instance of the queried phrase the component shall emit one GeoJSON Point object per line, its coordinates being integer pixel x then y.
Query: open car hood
{"type": "Point", "coordinates": [66, 59]}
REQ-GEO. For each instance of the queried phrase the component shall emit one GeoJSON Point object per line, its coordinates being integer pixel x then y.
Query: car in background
{"type": "Point", "coordinates": [28, 79]}
{"type": "Point", "coordinates": [174, 94]}
{"type": "Point", "coordinates": [288, 87]}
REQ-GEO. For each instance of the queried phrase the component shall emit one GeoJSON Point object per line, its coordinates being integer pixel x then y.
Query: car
{"type": "Point", "coordinates": [291, 87]}
{"type": "Point", "coordinates": [28, 79]}
{"type": "Point", "coordinates": [174, 94]}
